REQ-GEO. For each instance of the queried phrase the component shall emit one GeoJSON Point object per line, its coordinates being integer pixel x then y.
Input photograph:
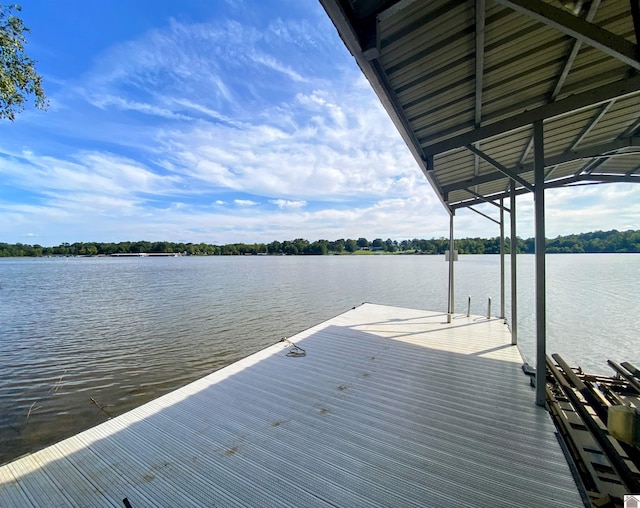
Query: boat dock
{"type": "Point", "coordinates": [379, 406]}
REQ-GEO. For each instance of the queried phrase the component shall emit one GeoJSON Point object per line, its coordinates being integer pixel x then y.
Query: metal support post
{"type": "Point", "coordinates": [540, 243]}
{"type": "Point", "coordinates": [514, 272]}
{"type": "Point", "coordinates": [502, 313]}
{"type": "Point", "coordinates": [451, 243]}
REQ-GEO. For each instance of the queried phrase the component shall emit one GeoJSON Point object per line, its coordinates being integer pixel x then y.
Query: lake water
{"type": "Point", "coordinates": [85, 338]}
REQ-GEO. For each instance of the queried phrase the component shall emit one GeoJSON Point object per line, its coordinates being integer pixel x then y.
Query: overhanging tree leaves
{"type": "Point", "coordinates": [18, 77]}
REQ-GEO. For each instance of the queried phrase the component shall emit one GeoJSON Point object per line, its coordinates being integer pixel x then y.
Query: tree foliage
{"type": "Point", "coordinates": [18, 77]}
{"type": "Point", "coordinates": [598, 241]}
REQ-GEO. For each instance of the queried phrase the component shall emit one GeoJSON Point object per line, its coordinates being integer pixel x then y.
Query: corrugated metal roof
{"type": "Point", "coordinates": [452, 73]}
{"type": "Point", "coordinates": [389, 407]}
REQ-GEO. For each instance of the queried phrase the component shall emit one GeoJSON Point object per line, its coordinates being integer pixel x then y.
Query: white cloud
{"type": "Point", "coordinates": [105, 101]}
{"type": "Point", "coordinates": [284, 203]}
{"type": "Point", "coordinates": [270, 62]}
{"type": "Point", "coordinates": [100, 173]}
{"type": "Point", "coordinates": [245, 202]}
{"type": "Point", "coordinates": [349, 149]}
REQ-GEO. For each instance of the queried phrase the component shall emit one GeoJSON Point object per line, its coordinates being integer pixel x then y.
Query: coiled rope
{"type": "Point", "coordinates": [295, 351]}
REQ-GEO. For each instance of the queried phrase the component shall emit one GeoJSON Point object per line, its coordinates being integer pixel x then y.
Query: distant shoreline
{"type": "Point", "coordinates": [610, 242]}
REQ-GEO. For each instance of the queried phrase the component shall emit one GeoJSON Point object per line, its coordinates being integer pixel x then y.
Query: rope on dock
{"type": "Point", "coordinates": [295, 351]}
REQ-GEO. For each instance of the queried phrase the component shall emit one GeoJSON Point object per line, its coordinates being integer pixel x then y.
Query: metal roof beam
{"type": "Point", "coordinates": [480, 30]}
{"type": "Point", "coordinates": [632, 129]}
{"type": "Point", "coordinates": [476, 201]}
{"type": "Point", "coordinates": [563, 77]}
{"type": "Point", "coordinates": [591, 165]}
{"type": "Point", "coordinates": [487, 200]}
{"type": "Point", "coordinates": [610, 178]}
{"type": "Point", "coordinates": [604, 40]}
{"type": "Point", "coordinates": [375, 8]}
{"type": "Point", "coordinates": [585, 153]}
{"type": "Point", "coordinates": [573, 54]}
{"type": "Point", "coordinates": [621, 88]}
{"type": "Point", "coordinates": [365, 23]}
{"type": "Point", "coordinates": [635, 15]}
{"type": "Point", "coordinates": [603, 111]}
{"type": "Point", "coordinates": [505, 171]}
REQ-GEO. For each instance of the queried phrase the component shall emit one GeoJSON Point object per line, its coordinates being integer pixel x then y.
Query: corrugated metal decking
{"type": "Point", "coordinates": [389, 407]}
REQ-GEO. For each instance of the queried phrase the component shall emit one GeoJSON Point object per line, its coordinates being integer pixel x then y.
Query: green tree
{"type": "Point", "coordinates": [337, 246]}
{"type": "Point", "coordinates": [377, 244]}
{"type": "Point", "coordinates": [289, 248]}
{"type": "Point", "coordinates": [18, 77]}
{"type": "Point", "coordinates": [350, 245]}
{"type": "Point", "coordinates": [362, 243]}
{"type": "Point", "coordinates": [319, 248]}
{"type": "Point", "coordinates": [275, 247]}
{"type": "Point", "coordinates": [390, 245]}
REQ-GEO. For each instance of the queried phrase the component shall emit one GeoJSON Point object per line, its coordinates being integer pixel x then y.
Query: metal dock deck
{"type": "Point", "coordinates": [389, 407]}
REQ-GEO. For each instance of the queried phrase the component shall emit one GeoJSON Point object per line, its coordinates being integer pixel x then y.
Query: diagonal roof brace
{"type": "Point", "coordinates": [487, 200]}
{"type": "Point", "coordinates": [505, 171]}
{"type": "Point", "coordinates": [484, 215]}
{"type": "Point", "coordinates": [612, 44]}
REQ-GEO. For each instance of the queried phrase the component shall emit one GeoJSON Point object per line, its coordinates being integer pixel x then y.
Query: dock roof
{"type": "Point", "coordinates": [389, 407]}
{"type": "Point", "coordinates": [465, 80]}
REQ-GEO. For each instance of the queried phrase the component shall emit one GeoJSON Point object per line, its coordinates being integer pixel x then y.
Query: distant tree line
{"type": "Point", "coordinates": [598, 241]}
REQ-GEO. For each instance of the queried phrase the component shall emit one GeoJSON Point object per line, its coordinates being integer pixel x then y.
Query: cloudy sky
{"type": "Point", "coordinates": [220, 122]}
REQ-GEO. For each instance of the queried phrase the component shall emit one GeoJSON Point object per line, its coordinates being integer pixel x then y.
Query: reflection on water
{"type": "Point", "coordinates": [82, 339]}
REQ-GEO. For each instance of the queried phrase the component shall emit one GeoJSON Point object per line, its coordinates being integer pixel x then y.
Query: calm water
{"type": "Point", "coordinates": [85, 338]}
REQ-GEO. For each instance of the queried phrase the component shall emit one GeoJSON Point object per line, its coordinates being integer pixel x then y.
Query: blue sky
{"type": "Point", "coordinates": [220, 122]}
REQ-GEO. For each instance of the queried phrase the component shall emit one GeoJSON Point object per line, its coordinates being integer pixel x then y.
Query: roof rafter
{"type": "Point", "coordinates": [480, 26]}
{"type": "Point", "coordinates": [594, 35]}
{"type": "Point", "coordinates": [610, 178]}
{"type": "Point", "coordinates": [586, 153]}
{"type": "Point", "coordinates": [464, 203]}
{"type": "Point", "coordinates": [617, 89]}
{"type": "Point", "coordinates": [487, 200]}
{"type": "Point", "coordinates": [504, 170]}
{"type": "Point", "coordinates": [603, 111]}
{"type": "Point", "coordinates": [575, 48]}
{"type": "Point", "coordinates": [467, 74]}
